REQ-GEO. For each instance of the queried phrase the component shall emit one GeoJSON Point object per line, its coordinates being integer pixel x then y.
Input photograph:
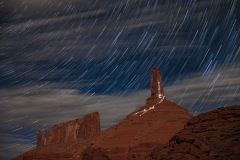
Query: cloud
{"type": "Point", "coordinates": [11, 145]}
{"type": "Point", "coordinates": [27, 9]}
{"type": "Point", "coordinates": [30, 24]}
{"type": "Point", "coordinates": [77, 34]}
{"type": "Point", "coordinates": [50, 105]}
{"type": "Point", "coordinates": [39, 101]}
{"type": "Point", "coordinates": [205, 91]}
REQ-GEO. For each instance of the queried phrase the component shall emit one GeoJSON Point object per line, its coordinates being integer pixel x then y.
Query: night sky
{"type": "Point", "coordinates": [63, 59]}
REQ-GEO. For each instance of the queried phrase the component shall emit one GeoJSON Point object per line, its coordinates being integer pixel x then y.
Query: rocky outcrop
{"type": "Point", "coordinates": [139, 152]}
{"type": "Point", "coordinates": [157, 92]}
{"type": "Point", "coordinates": [81, 128]}
{"type": "Point", "coordinates": [57, 143]}
{"type": "Point", "coordinates": [208, 136]}
{"type": "Point", "coordinates": [137, 134]}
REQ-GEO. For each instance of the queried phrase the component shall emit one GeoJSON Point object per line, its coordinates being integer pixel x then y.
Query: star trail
{"type": "Point", "coordinates": [60, 60]}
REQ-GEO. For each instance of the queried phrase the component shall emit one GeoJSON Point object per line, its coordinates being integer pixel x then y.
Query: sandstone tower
{"type": "Point", "coordinates": [157, 92]}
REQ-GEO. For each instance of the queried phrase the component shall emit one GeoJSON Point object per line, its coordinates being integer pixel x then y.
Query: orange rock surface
{"type": "Point", "coordinates": [208, 136]}
{"type": "Point", "coordinates": [59, 141]}
{"type": "Point", "coordinates": [157, 125]}
{"type": "Point", "coordinates": [81, 128]}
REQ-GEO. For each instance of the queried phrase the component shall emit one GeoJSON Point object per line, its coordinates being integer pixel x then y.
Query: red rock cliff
{"type": "Point", "coordinates": [81, 128]}
{"type": "Point", "coordinates": [54, 143]}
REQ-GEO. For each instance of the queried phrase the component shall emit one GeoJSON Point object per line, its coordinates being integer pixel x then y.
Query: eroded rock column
{"type": "Point", "coordinates": [157, 92]}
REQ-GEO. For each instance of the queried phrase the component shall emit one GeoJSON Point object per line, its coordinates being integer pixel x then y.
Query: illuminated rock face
{"type": "Point", "coordinates": [157, 92]}
{"type": "Point", "coordinates": [81, 128]}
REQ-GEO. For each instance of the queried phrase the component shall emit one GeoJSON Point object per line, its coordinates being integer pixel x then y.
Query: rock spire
{"type": "Point", "coordinates": [157, 92]}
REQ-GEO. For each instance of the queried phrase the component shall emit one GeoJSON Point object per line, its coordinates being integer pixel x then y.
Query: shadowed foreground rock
{"type": "Point", "coordinates": [208, 136]}
{"type": "Point", "coordinates": [94, 154]}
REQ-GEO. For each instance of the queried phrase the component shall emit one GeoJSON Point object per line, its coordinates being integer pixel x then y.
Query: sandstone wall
{"type": "Point", "coordinates": [81, 128]}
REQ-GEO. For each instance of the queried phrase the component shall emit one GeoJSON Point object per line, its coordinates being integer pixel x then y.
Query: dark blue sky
{"type": "Point", "coordinates": [60, 60]}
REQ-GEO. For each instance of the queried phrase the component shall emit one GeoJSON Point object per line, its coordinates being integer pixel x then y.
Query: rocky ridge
{"type": "Point", "coordinates": [213, 135]}
{"type": "Point", "coordinates": [57, 143]}
{"type": "Point", "coordinates": [81, 128]}
{"type": "Point", "coordinates": [155, 127]}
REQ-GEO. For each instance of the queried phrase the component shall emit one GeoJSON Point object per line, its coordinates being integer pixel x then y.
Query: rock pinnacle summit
{"type": "Point", "coordinates": [157, 92]}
